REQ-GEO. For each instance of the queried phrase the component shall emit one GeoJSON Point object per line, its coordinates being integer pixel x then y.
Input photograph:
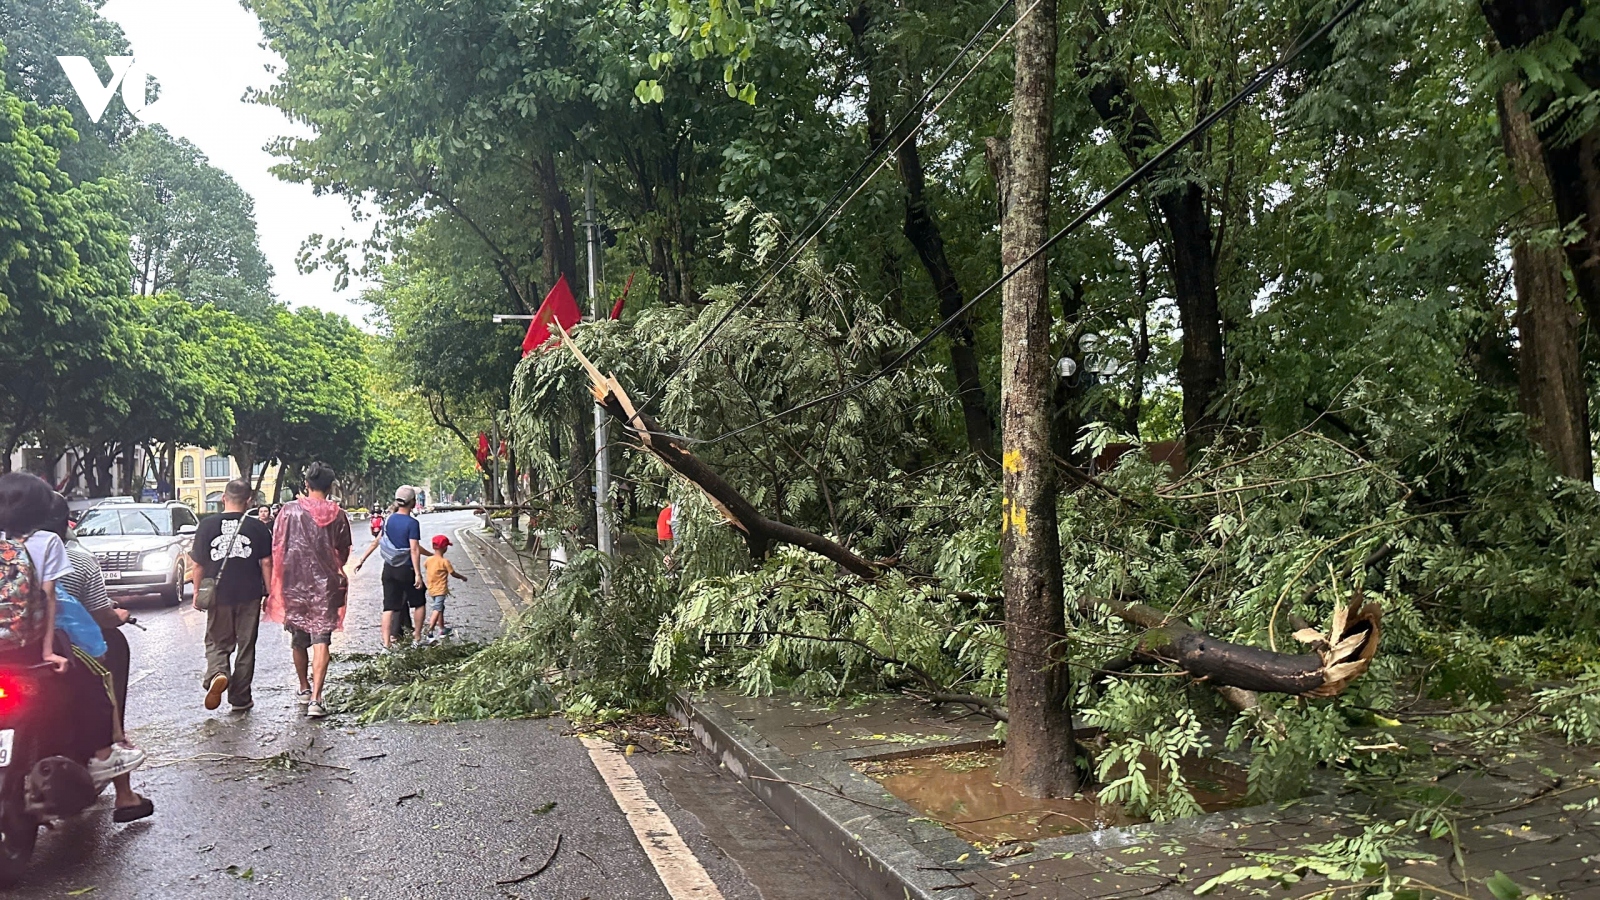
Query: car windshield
{"type": "Point", "coordinates": [102, 522]}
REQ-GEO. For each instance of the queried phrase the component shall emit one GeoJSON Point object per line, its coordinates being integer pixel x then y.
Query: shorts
{"type": "Point", "coordinates": [400, 591]}
{"type": "Point", "coordinates": [436, 602]}
{"type": "Point", "coordinates": [303, 640]}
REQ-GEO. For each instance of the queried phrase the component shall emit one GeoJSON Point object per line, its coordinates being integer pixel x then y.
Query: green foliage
{"type": "Point", "coordinates": [193, 228]}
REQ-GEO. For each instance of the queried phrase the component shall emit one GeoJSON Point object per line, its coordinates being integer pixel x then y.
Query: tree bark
{"type": "Point", "coordinates": [1572, 165]}
{"type": "Point", "coordinates": [1337, 657]}
{"type": "Point", "coordinates": [1549, 370]}
{"type": "Point", "coordinates": [1202, 373]}
{"type": "Point", "coordinates": [1039, 741]}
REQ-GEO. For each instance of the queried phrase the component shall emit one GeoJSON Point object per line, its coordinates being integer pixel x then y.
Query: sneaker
{"type": "Point", "coordinates": [243, 707]}
{"type": "Point", "coordinates": [315, 710]}
{"type": "Point", "coordinates": [302, 697]}
{"type": "Point", "coordinates": [219, 683]}
{"type": "Point", "coordinates": [121, 761]}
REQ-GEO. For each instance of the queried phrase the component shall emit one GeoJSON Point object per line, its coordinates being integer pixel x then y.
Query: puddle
{"type": "Point", "coordinates": [962, 791]}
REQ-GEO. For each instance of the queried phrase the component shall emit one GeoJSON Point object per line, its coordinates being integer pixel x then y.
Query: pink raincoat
{"type": "Point", "coordinates": [310, 543]}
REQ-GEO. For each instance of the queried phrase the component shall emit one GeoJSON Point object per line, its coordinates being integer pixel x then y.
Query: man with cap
{"type": "Point", "coordinates": [438, 575]}
{"type": "Point", "coordinates": [400, 543]}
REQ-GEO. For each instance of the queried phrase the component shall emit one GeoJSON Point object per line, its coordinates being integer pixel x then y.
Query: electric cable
{"type": "Point", "coordinates": [829, 211]}
{"type": "Point", "coordinates": [1122, 187]}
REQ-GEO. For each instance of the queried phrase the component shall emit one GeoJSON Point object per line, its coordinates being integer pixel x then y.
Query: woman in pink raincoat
{"type": "Point", "coordinates": [310, 545]}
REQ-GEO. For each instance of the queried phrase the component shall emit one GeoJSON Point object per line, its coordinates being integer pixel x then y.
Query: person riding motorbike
{"type": "Point", "coordinates": [87, 583]}
{"type": "Point", "coordinates": [73, 708]}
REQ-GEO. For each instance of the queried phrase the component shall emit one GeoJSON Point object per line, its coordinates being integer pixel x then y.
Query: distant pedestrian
{"type": "Point", "coordinates": [667, 530]}
{"type": "Point", "coordinates": [235, 549]}
{"type": "Point", "coordinates": [438, 575]}
{"type": "Point", "coordinates": [310, 546]}
{"type": "Point", "coordinates": [400, 542]}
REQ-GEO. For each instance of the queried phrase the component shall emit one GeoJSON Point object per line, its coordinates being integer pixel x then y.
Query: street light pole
{"type": "Point", "coordinates": [602, 458]}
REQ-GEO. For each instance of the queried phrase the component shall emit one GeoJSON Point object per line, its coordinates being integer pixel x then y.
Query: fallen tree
{"type": "Point", "coordinates": [1337, 657]}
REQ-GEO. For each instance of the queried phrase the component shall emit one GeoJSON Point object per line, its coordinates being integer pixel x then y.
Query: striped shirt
{"type": "Point", "coordinates": [85, 581]}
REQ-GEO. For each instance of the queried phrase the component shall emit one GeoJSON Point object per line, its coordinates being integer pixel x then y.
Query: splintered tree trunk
{"type": "Point", "coordinates": [1549, 371]}
{"type": "Point", "coordinates": [1039, 740]}
{"type": "Point", "coordinates": [1572, 162]}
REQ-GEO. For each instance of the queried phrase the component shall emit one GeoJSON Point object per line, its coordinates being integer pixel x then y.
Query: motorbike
{"type": "Point", "coordinates": [37, 785]}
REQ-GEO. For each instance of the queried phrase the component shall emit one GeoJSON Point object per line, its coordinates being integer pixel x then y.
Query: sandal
{"type": "Point", "coordinates": [143, 810]}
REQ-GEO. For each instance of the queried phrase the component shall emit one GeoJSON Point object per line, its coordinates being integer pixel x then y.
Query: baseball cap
{"type": "Point", "coordinates": [440, 542]}
{"type": "Point", "coordinates": [406, 494]}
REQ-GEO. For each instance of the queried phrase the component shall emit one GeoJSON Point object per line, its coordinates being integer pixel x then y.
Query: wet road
{"type": "Point", "coordinates": [269, 804]}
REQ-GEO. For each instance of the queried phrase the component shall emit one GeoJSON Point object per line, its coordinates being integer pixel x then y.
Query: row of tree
{"type": "Point", "coordinates": [137, 310]}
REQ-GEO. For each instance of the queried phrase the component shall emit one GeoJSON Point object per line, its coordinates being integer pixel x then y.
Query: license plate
{"type": "Point", "coordinates": [113, 576]}
{"type": "Point", "coordinates": [6, 737]}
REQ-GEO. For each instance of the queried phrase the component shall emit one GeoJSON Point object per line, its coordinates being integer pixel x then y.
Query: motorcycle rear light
{"type": "Point", "coordinates": [13, 691]}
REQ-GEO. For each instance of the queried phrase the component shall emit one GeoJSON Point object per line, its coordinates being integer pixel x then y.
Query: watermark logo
{"type": "Point", "coordinates": [96, 96]}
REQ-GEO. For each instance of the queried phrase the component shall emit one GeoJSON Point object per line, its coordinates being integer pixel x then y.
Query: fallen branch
{"type": "Point", "coordinates": [548, 860]}
{"type": "Point", "coordinates": [1339, 657]}
{"type": "Point", "coordinates": [760, 532]}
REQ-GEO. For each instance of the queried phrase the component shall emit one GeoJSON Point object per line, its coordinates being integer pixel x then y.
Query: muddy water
{"type": "Point", "coordinates": [962, 790]}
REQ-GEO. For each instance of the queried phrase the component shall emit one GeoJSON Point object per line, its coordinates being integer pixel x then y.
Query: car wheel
{"type": "Point", "coordinates": [172, 594]}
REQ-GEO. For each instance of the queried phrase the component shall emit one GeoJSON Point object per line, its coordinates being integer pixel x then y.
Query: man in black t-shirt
{"type": "Point", "coordinates": [235, 616]}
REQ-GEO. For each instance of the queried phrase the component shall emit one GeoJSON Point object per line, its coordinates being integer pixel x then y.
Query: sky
{"type": "Point", "coordinates": [205, 54]}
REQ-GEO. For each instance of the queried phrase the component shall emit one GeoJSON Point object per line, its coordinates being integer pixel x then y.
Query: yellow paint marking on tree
{"type": "Point", "coordinates": [1012, 461]}
{"type": "Point", "coordinates": [680, 871]}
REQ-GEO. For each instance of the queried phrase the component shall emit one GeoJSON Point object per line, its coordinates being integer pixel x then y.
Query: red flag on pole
{"type": "Point", "coordinates": [558, 306]}
{"type": "Point", "coordinates": [483, 451]}
{"type": "Point", "coordinates": [616, 311]}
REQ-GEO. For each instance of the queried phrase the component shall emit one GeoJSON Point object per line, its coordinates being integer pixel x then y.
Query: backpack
{"type": "Point", "coordinates": [19, 593]}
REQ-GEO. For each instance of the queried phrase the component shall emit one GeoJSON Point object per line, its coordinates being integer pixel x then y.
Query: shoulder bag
{"type": "Point", "coordinates": [205, 596]}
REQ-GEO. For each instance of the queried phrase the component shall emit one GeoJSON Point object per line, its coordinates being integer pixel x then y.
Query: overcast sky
{"type": "Point", "coordinates": [205, 54]}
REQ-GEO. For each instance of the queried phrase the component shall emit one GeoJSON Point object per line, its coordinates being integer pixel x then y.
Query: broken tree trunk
{"type": "Point", "coordinates": [1337, 658]}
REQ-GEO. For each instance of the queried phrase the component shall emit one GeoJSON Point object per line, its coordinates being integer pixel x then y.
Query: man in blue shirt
{"type": "Point", "coordinates": [400, 543]}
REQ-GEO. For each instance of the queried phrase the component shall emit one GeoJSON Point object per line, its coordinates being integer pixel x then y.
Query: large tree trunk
{"type": "Point", "coordinates": [1572, 165]}
{"type": "Point", "coordinates": [922, 229]}
{"type": "Point", "coordinates": [1039, 740]}
{"type": "Point", "coordinates": [1201, 370]}
{"type": "Point", "coordinates": [1549, 370]}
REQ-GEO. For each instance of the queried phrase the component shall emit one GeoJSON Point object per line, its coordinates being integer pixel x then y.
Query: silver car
{"type": "Point", "coordinates": [142, 547]}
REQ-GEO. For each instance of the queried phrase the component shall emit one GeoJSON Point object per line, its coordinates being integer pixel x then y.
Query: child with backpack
{"type": "Point", "coordinates": [76, 708]}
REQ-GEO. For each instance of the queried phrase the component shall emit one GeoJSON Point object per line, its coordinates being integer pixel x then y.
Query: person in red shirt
{"type": "Point", "coordinates": [664, 523]}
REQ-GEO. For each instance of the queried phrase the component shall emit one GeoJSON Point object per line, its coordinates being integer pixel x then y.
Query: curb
{"type": "Point", "coordinates": [505, 569]}
{"type": "Point", "coordinates": [836, 811]}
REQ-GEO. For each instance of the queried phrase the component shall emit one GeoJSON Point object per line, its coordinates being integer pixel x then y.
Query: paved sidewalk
{"type": "Point", "coordinates": [1529, 813]}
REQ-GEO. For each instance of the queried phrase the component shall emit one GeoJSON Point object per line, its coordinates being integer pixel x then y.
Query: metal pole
{"type": "Point", "coordinates": [602, 458]}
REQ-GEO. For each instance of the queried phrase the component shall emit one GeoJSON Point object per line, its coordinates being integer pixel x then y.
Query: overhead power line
{"type": "Point", "coordinates": [1122, 187]}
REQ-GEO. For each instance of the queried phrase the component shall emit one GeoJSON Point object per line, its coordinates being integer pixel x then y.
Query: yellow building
{"type": "Point", "coordinates": [202, 474]}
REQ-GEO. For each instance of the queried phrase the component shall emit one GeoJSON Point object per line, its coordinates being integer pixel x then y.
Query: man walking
{"type": "Point", "coordinates": [400, 542]}
{"type": "Point", "coordinates": [235, 549]}
{"type": "Point", "coordinates": [310, 546]}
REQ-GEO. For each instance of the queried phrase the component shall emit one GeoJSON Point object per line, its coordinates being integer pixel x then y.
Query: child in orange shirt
{"type": "Point", "coordinates": [437, 572]}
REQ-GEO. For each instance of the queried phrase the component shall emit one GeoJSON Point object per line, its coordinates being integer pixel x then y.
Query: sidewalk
{"type": "Point", "coordinates": [1528, 813]}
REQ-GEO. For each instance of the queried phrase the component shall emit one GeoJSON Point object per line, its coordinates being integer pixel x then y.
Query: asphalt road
{"type": "Point", "coordinates": [269, 804]}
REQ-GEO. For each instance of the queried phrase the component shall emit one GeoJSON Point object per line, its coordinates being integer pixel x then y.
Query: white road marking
{"type": "Point", "coordinates": [680, 871]}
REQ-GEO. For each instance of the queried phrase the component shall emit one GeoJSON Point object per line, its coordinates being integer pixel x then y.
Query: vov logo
{"type": "Point", "coordinates": [125, 74]}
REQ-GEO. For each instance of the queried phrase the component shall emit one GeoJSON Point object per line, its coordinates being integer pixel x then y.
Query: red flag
{"type": "Point", "coordinates": [558, 306]}
{"type": "Point", "coordinates": [616, 311]}
{"type": "Point", "coordinates": [483, 451]}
